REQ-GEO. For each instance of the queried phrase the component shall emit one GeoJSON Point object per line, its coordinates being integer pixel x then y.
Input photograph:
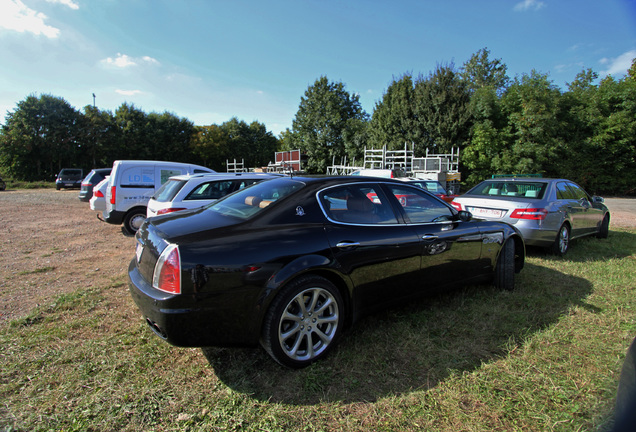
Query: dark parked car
{"type": "Point", "coordinates": [547, 212]}
{"type": "Point", "coordinates": [90, 181]}
{"type": "Point", "coordinates": [69, 178]}
{"type": "Point", "coordinates": [290, 262]}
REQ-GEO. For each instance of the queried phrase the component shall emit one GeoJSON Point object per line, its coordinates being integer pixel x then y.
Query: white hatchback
{"type": "Point", "coordinates": [192, 191]}
{"type": "Point", "coordinates": [98, 200]}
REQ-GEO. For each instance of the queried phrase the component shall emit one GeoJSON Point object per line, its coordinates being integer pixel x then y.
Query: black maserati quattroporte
{"type": "Point", "coordinates": [291, 262]}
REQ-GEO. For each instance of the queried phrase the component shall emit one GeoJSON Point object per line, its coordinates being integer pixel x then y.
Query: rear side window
{"type": "Point", "coordinates": [563, 191]}
{"type": "Point", "coordinates": [168, 190]}
{"type": "Point", "coordinates": [211, 190]}
{"type": "Point", "coordinates": [420, 207]}
{"type": "Point", "coordinates": [357, 204]}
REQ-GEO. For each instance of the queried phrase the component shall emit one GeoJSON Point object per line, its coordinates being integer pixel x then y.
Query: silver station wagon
{"type": "Point", "coordinates": [547, 212]}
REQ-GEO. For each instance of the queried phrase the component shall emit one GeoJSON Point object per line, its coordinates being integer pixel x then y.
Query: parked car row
{"type": "Point", "coordinates": [289, 262]}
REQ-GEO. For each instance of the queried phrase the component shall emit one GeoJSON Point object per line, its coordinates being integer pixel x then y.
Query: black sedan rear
{"type": "Point", "coordinates": [291, 262]}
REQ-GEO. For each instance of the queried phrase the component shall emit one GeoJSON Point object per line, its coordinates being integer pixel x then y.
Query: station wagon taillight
{"type": "Point", "coordinates": [167, 275]}
{"type": "Point", "coordinates": [98, 194]}
{"type": "Point", "coordinates": [170, 210]}
{"type": "Point", "coordinates": [530, 213]}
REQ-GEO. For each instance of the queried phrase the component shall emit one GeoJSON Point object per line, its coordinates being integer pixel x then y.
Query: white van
{"type": "Point", "coordinates": [133, 182]}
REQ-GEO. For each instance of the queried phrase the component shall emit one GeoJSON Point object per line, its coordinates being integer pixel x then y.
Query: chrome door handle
{"type": "Point", "coordinates": [429, 237]}
{"type": "Point", "coordinates": [346, 244]}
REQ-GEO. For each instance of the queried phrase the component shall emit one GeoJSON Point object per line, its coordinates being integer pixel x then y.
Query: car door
{"type": "Point", "coordinates": [450, 249]}
{"type": "Point", "coordinates": [568, 205]}
{"type": "Point", "coordinates": [379, 253]}
{"type": "Point", "coordinates": [589, 215]}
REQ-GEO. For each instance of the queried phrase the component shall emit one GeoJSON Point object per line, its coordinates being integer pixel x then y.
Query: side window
{"type": "Point", "coordinates": [210, 190]}
{"type": "Point", "coordinates": [578, 193]}
{"type": "Point", "coordinates": [166, 173]}
{"type": "Point", "coordinates": [357, 204]}
{"type": "Point", "coordinates": [419, 206]}
{"type": "Point", "coordinates": [563, 193]}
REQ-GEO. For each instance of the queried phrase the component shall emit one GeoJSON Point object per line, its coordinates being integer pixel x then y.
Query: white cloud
{"type": "Point", "coordinates": [69, 3]}
{"type": "Point", "coordinates": [618, 65]}
{"type": "Point", "coordinates": [128, 92]}
{"type": "Point", "coordinates": [124, 61]}
{"type": "Point", "coordinates": [18, 17]}
{"type": "Point", "coordinates": [526, 5]}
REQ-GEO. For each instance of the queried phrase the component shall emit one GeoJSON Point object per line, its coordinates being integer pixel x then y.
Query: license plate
{"type": "Point", "coordinates": [486, 212]}
{"type": "Point", "coordinates": [138, 251]}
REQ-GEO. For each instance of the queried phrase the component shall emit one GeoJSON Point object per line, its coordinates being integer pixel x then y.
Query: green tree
{"type": "Point", "coordinates": [393, 122]}
{"type": "Point", "coordinates": [41, 136]}
{"type": "Point", "coordinates": [167, 137]}
{"type": "Point", "coordinates": [100, 137]}
{"type": "Point", "coordinates": [210, 144]}
{"type": "Point", "coordinates": [322, 118]}
{"type": "Point", "coordinates": [252, 143]}
{"type": "Point", "coordinates": [531, 105]}
{"type": "Point", "coordinates": [442, 111]}
{"type": "Point", "coordinates": [479, 72]}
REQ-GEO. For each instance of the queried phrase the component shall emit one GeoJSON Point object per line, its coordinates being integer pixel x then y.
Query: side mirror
{"type": "Point", "coordinates": [598, 199]}
{"type": "Point", "coordinates": [465, 216]}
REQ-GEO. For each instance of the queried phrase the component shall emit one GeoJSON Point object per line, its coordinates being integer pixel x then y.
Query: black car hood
{"type": "Point", "coordinates": [191, 222]}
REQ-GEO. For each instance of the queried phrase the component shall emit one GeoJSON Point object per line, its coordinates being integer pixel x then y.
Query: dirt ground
{"type": "Point", "coordinates": [52, 243]}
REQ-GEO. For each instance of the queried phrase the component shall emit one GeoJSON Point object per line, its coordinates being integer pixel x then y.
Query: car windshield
{"type": "Point", "coordinates": [71, 172]}
{"type": "Point", "coordinates": [510, 188]}
{"type": "Point", "coordinates": [253, 199]}
{"type": "Point", "coordinates": [168, 190]}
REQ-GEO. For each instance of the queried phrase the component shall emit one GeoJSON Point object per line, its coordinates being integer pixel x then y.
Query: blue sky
{"type": "Point", "coordinates": [210, 60]}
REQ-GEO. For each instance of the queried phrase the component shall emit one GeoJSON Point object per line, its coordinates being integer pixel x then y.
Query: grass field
{"type": "Point", "coordinates": [545, 357]}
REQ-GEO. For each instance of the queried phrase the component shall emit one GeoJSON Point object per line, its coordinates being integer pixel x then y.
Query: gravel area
{"type": "Point", "coordinates": [52, 243]}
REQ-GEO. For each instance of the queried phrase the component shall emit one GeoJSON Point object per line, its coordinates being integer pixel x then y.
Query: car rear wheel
{"type": "Point", "coordinates": [604, 229]}
{"type": "Point", "coordinates": [133, 220]}
{"type": "Point", "coordinates": [562, 242]}
{"type": "Point", "coordinates": [505, 269]}
{"type": "Point", "coordinates": [303, 322]}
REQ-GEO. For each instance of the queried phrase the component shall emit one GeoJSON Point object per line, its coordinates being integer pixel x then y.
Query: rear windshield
{"type": "Point", "coordinates": [520, 189]}
{"type": "Point", "coordinates": [168, 190]}
{"type": "Point", "coordinates": [431, 186]}
{"type": "Point", "coordinates": [253, 199]}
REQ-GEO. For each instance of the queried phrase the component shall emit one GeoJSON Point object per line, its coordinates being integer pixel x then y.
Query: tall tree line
{"type": "Point", "coordinates": [524, 125]}
{"type": "Point", "coordinates": [44, 134]}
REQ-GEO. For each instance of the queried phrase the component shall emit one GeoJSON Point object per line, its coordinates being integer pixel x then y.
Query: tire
{"type": "Point", "coordinates": [603, 231]}
{"type": "Point", "coordinates": [505, 268]}
{"type": "Point", "coordinates": [133, 220]}
{"type": "Point", "coordinates": [3, 186]}
{"type": "Point", "coordinates": [289, 324]}
{"type": "Point", "coordinates": [561, 244]}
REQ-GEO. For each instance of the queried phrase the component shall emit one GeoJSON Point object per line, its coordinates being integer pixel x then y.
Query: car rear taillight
{"type": "Point", "coordinates": [457, 205]}
{"type": "Point", "coordinates": [530, 213]}
{"type": "Point", "coordinates": [167, 276]}
{"type": "Point", "coordinates": [98, 194]}
{"type": "Point", "coordinates": [170, 210]}
{"type": "Point", "coordinates": [113, 190]}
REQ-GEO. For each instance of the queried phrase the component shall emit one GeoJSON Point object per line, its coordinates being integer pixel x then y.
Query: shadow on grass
{"type": "Point", "coordinates": [411, 347]}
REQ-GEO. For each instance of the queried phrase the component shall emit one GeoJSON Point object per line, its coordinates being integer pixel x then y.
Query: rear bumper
{"type": "Point", "coordinates": [114, 217]}
{"type": "Point", "coordinates": [186, 320]}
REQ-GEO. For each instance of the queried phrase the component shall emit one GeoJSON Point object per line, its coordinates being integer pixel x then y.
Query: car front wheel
{"type": "Point", "coordinates": [303, 322]}
{"type": "Point", "coordinates": [562, 242]}
{"type": "Point", "coordinates": [505, 269]}
{"type": "Point", "coordinates": [603, 231]}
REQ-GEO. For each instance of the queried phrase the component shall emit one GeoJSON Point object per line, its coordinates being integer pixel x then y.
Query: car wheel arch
{"type": "Point", "coordinates": [314, 265]}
